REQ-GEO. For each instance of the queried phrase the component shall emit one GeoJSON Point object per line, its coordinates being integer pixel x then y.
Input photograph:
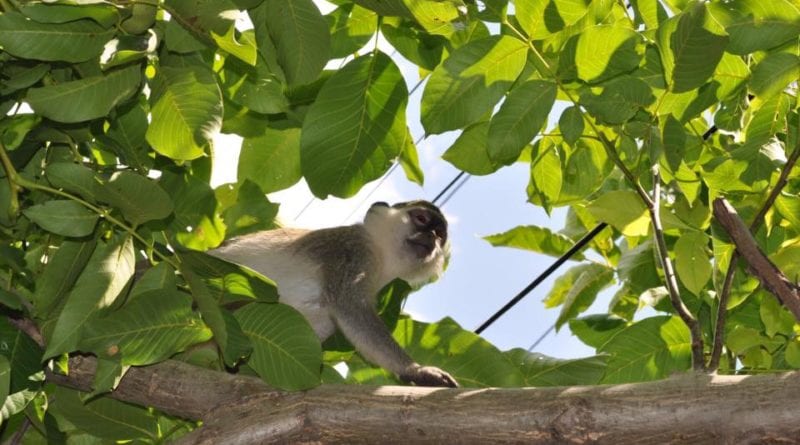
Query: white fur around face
{"type": "Point", "coordinates": [389, 229]}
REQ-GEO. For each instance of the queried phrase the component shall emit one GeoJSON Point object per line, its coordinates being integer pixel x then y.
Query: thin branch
{"type": "Point", "coordinates": [766, 272]}
{"type": "Point", "coordinates": [719, 329]}
{"type": "Point", "coordinates": [698, 359]}
{"type": "Point", "coordinates": [11, 177]}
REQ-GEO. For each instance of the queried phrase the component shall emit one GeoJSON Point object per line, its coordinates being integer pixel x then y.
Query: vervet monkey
{"type": "Point", "coordinates": [332, 276]}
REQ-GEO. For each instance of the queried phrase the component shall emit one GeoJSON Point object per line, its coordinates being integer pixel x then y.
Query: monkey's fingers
{"type": "Point", "coordinates": [432, 376]}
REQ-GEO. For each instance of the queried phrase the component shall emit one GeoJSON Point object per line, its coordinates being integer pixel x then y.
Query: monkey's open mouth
{"type": "Point", "coordinates": [422, 244]}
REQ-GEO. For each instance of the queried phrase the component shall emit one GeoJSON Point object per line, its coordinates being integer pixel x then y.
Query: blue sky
{"type": "Point", "coordinates": [480, 278]}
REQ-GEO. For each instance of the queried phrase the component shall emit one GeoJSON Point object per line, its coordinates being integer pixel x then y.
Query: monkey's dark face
{"type": "Point", "coordinates": [426, 231]}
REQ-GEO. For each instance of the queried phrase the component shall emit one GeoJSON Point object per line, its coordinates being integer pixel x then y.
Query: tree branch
{"type": "Point", "coordinates": [758, 263]}
{"type": "Point", "coordinates": [690, 408]}
{"type": "Point", "coordinates": [671, 280]}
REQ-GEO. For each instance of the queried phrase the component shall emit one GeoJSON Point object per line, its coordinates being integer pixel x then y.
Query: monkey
{"type": "Point", "coordinates": [332, 276]}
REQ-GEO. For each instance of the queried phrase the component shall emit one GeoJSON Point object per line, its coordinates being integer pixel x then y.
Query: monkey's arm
{"type": "Point", "coordinates": [366, 331]}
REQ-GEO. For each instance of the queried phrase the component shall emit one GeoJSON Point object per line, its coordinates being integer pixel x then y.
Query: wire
{"type": "Point", "coordinates": [542, 337]}
{"type": "Point", "coordinates": [538, 280]}
{"type": "Point", "coordinates": [305, 207]}
{"type": "Point", "coordinates": [444, 190]}
{"type": "Point", "coordinates": [453, 192]}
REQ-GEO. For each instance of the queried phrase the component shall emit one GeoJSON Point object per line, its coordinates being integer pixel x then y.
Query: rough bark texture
{"type": "Point", "coordinates": [691, 408]}
{"type": "Point", "coordinates": [763, 269]}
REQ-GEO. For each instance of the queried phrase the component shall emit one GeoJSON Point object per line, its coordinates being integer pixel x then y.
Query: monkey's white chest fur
{"type": "Point", "coordinates": [298, 280]}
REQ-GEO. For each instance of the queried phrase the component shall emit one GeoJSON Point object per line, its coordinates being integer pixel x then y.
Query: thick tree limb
{"type": "Point", "coordinates": [766, 272]}
{"type": "Point", "coordinates": [691, 408]}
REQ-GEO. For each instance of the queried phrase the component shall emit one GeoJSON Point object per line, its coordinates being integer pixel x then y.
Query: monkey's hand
{"type": "Point", "coordinates": [427, 376]}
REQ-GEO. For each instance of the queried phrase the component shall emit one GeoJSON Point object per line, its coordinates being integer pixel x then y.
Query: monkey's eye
{"type": "Point", "coordinates": [421, 218]}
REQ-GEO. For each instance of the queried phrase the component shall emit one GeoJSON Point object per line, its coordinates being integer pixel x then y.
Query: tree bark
{"type": "Point", "coordinates": [689, 408]}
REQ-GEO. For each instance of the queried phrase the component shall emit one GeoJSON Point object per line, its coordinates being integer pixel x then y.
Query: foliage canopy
{"type": "Point", "coordinates": [112, 167]}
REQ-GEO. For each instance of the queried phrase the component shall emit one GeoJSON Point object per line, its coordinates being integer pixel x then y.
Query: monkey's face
{"type": "Point", "coordinates": [416, 232]}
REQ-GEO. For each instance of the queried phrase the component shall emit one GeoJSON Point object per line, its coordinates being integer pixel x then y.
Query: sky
{"type": "Point", "coordinates": [480, 278]}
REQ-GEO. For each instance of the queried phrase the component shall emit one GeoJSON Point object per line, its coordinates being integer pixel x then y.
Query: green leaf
{"type": "Point", "coordinates": [301, 38]}
{"type": "Point", "coordinates": [624, 210]}
{"type": "Point", "coordinates": [85, 99]}
{"type": "Point", "coordinates": [571, 124]}
{"type": "Point", "coordinates": [106, 377]}
{"type": "Point", "coordinates": [755, 26]}
{"type": "Point", "coordinates": [637, 267]}
{"type": "Point", "coordinates": [105, 15]}
{"type": "Point", "coordinates": [520, 118]}
{"type": "Point", "coordinates": [69, 42]}
{"type": "Point", "coordinates": [338, 156]}
{"type": "Point", "coordinates": [776, 318]}
{"type": "Point", "coordinates": [104, 417]}
{"type": "Point", "coordinates": [160, 276]}
{"type": "Point", "coordinates": [470, 82]}
{"type": "Point", "coordinates": [469, 152]}
{"type": "Point", "coordinates": [441, 17]}
{"type": "Point", "coordinates": [546, 173]}
{"type": "Point", "coordinates": [605, 51]}
{"type": "Point", "coordinates": [152, 327]}
{"type": "Point", "coordinates": [564, 283]}
{"type": "Point", "coordinates": [5, 377]}
{"type": "Point", "coordinates": [196, 223]}
{"type": "Point", "coordinates": [534, 238]}
{"type": "Point", "coordinates": [139, 198]}
{"type": "Point", "coordinates": [471, 360]}
{"type": "Point", "coordinates": [596, 330]}
{"type": "Point", "coordinates": [792, 354]}
{"type": "Point", "coordinates": [651, 349]}
{"type": "Point", "coordinates": [541, 370]}
{"type": "Point", "coordinates": [251, 212]}
{"type": "Point", "coordinates": [63, 268]}
{"type": "Point", "coordinates": [126, 136]}
{"type": "Point", "coordinates": [691, 261]}
{"type": "Point", "coordinates": [620, 100]}
{"type": "Point", "coordinates": [409, 160]}
{"type": "Point", "coordinates": [108, 271]}
{"type": "Point", "coordinates": [63, 217]}
{"type": "Point", "coordinates": [73, 178]}
{"type": "Point", "coordinates": [271, 159]}
{"type": "Point", "coordinates": [351, 27]}
{"type": "Point", "coordinates": [583, 292]}
{"type": "Point", "coordinates": [414, 44]}
{"type": "Point", "coordinates": [186, 113]}
{"type": "Point", "coordinates": [286, 351]}
{"type": "Point", "coordinates": [24, 357]}
{"type": "Point", "coordinates": [228, 282]}
{"type": "Point", "coordinates": [689, 50]}
{"type": "Point", "coordinates": [772, 75]}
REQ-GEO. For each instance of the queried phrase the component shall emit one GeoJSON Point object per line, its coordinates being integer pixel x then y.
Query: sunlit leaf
{"type": "Point", "coordinates": [534, 238]}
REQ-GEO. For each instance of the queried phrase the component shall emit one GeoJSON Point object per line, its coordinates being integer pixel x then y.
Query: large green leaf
{"type": "Point", "coordinates": [152, 327]}
{"type": "Point", "coordinates": [755, 26]}
{"type": "Point", "coordinates": [73, 178]}
{"type": "Point", "coordinates": [541, 370]}
{"type": "Point", "coordinates": [228, 282]}
{"type": "Point", "coordinates": [213, 20]}
{"type": "Point", "coordinates": [691, 261]}
{"type": "Point", "coordinates": [286, 351]}
{"type": "Point", "coordinates": [5, 377]}
{"type": "Point", "coordinates": [624, 210]}
{"type": "Point", "coordinates": [470, 82]}
{"type": "Point", "coordinates": [442, 17]}
{"type": "Point", "coordinates": [520, 118]}
{"type": "Point", "coordinates": [139, 198]}
{"type": "Point", "coordinates": [69, 42]}
{"type": "Point", "coordinates": [63, 268]}
{"type": "Point", "coordinates": [271, 159]}
{"type": "Point", "coordinates": [368, 96]}
{"type": "Point", "coordinates": [535, 238]}
{"type": "Point", "coordinates": [651, 349]}
{"type": "Point", "coordinates": [620, 100]}
{"type": "Point", "coordinates": [301, 38]}
{"type": "Point", "coordinates": [597, 329]}
{"type": "Point", "coordinates": [772, 75]}
{"type": "Point", "coordinates": [63, 217]}
{"type": "Point", "coordinates": [196, 224]}
{"type": "Point", "coordinates": [250, 211]}
{"type": "Point", "coordinates": [571, 124]}
{"type": "Point", "coordinates": [605, 51]}
{"type": "Point", "coordinates": [471, 360]}
{"type": "Point", "coordinates": [351, 27]}
{"type": "Point", "coordinates": [186, 113]}
{"type": "Point", "coordinates": [689, 50]}
{"type": "Point", "coordinates": [469, 152]}
{"type": "Point", "coordinates": [109, 269]}
{"type": "Point", "coordinates": [85, 99]}
{"type": "Point", "coordinates": [546, 174]}
{"type": "Point", "coordinates": [104, 417]}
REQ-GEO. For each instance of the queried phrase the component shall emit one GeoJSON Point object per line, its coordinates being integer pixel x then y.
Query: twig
{"type": "Point", "coordinates": [766, 272]}
{"type": "Point", "coordinates": [719, 329]}
{"type": "Point", "coordinates": [671, 280]}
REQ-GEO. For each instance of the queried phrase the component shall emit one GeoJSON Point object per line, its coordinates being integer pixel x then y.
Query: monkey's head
{"type": "Point", "coordinates": [413, 239]}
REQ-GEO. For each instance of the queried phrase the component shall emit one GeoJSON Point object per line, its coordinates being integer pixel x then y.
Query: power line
{"type": "Point", "coordinates": [447, 187]}
{"type": "Point", "coordinates": [538, 280]}
{"type": "Point", "coordinates": [453, 192]}
{"type": "Point", "coordinates": [542, 337]}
